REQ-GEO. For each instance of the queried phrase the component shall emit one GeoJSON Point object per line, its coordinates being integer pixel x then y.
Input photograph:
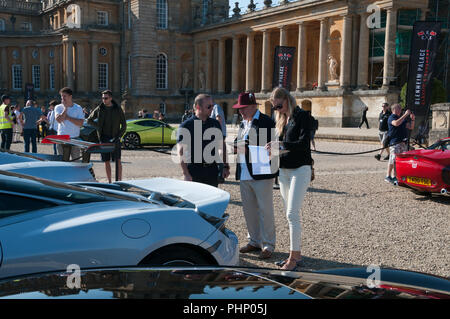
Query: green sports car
{"type": "Point", "coordinates": [148, 131]}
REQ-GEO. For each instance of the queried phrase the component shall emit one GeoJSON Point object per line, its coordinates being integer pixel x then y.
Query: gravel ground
{"type": "Point", "coordinates": [350, 216]}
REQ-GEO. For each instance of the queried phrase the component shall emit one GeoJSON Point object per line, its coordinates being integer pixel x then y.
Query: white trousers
{"type": "Point", "coordinates": [293, 186]}
{"type": "Point", "coordinates": [257, 203]}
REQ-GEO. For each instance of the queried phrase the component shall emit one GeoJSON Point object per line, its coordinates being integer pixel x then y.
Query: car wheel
{"type": "Point", "coordinates": [177, 256]}
{"type": "Point", "coordinates": [131, 141]}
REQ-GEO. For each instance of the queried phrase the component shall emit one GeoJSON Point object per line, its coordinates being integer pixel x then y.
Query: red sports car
{"type": "Point", "coordinates": [426, 170]}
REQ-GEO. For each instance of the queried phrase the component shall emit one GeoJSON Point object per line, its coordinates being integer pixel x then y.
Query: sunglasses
{"type": "Point", "coordinates": [278, 107]}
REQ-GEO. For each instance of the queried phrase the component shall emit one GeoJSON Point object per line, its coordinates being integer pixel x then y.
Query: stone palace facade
{"type": "Point", "coordinates": [158, 54]}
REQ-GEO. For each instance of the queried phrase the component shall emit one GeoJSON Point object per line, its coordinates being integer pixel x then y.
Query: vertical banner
{"type": "Point", "coordinates": [424, 47]}
{"type": "Point", "coordinates": [282, 67]}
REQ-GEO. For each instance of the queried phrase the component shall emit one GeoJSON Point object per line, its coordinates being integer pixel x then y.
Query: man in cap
{"type": "Point", "coordinates": [256, 129]}
{"type": "Point", "coordinates": [6, 123]}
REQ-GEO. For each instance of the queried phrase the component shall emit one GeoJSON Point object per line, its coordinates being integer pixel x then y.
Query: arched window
{"type": "Point", "coordinates": [161, 11]}
{"type": "Point", "coordinates": [161, 71]}
{"type": "Point", "coordinates": [2, 25]}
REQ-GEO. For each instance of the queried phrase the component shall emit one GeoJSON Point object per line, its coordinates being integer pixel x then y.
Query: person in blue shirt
{"type": "Point", "coordinates": [398, 133]}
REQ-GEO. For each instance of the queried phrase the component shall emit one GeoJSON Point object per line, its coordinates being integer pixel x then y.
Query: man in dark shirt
{"type": "Point", "coordinates": [383, 129]}
{"type": "Point", "coordinates": [398, 132]}
{"type": "Point", "coordinates": [111, 126]}
{"type": "Point", "coordinates": [199, 141]}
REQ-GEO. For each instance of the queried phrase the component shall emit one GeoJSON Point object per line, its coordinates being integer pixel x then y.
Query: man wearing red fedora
{"type": "Point", "coordinates": [256, 189]}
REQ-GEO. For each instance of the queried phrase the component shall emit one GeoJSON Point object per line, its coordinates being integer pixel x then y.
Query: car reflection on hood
{"type": "Point", "coordinates": [225, 283]}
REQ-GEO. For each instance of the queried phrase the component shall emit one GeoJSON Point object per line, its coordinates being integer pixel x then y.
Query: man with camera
{"type": "Point", "coordinates": [398, 133]}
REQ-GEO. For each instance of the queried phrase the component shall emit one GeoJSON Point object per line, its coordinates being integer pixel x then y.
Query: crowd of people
{"type": "Point", "coordinates": [63, 118]}
{"type": "Point", "coordinates": [157, 115]}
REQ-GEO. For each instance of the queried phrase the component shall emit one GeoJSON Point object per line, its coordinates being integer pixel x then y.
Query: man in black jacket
{"type": "Point", "coordinates": [111, 126]}
{"type": "Point", "coordinates": [257, 129]}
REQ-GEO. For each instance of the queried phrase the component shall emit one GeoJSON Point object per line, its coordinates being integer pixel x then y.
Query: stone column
{"type": "Point", "coordinates": [266, 62]}
{"type": "Point", "coordinates": [221, 67]}
{"type": "Point", "coordinates": [58, 66]}
{"type": "Point", "coordinates": [25, 78]}
{"type": "Point", "coordinates": [323, 52]}
{"type": "Point", "coordinates": [389, 47]}
{"type": "Point", "coordinates": [208, 67]}
{"type": "Point", "coordinates": [283, 36]}
{"type": "Point", "coordinates": [69, 74]}
{"type": "Point", "coordinates": [301, 57]}
{"type": "Point", "coordinates": [82, 67]}
{"type": "Point", "coordinates": [346, 52]}
{"type": "Point", "coordinates": [4, 70]}
{"type": "Point", "coordinates": [116, 69]}
{"type": "Point", "coordinates": [363, 56]}
{"type": "Point", "coordinates": [249, 76]}
{"type": "Point", "coordinates": [195, 79]}
{"type": "Point", "coordinates": [94, 66]}
{"type": "Point", "coordinates": [235, 66]}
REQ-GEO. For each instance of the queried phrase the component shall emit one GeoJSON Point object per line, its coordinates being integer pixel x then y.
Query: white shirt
{"type": "Point", "coordinates": [66, 127]}
{"type": "Point", "coordinates": [245, 174]}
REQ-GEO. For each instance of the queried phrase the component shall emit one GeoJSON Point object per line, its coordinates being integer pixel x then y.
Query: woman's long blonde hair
{"type": "Point", "coordinates": [281, 118]}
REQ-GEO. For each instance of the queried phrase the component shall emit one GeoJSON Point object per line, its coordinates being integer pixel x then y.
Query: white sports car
{"type": "Point", "coordinates": [46, 166]}
{"type": "Point", "coordinates": [46, 225]}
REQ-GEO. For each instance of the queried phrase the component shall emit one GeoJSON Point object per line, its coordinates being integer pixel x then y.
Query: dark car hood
{"type": "Point", "coordinates": [225, 283]}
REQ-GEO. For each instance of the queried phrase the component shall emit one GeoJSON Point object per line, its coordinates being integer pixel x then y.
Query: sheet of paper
{"type": "Point", "coordinates": [260, 160]}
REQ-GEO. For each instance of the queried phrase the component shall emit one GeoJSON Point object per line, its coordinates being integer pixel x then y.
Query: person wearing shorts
{"type": "Point", "coordinates": [398, 126]}
{"type": "Point", "coordinates": [111, 125]}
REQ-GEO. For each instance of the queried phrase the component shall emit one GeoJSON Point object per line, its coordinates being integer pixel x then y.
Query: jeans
{"type": "Point", "coordinates": [293, 186]}
{"type": "Point", "coordinates": [7, 135]}
{"type": "Point", "coordinates": [29, 135]}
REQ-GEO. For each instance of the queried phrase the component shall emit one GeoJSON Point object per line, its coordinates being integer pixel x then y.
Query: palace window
{"type": "Point", "coordinates": [161, 71]}
{"type": "Point", "coordinates": [102, 18]}
{"type": "Point", "coordinates": [17, 77]}
{"type": "Point", "coordinates": [204, 11]}
{"type": "Point", "coordinates": [2, 25]}
{"type": "Point", "coordinates": [26, 26]}
{"type": "Point", "coordinates": [51, 84]}
{"type": "Point", "coordinates": [103, 76]}
{"type": "Point", "coordinates": [161, 11]}
{"type": "Point", "coordinates": [36, 76]}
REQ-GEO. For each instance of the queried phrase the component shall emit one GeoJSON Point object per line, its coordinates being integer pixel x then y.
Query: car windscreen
{"type": "Point", "coordinates": [22, 184]}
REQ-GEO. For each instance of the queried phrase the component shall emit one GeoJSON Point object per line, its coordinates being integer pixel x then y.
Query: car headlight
{"type": "Point", "coordinates": [217, 222]}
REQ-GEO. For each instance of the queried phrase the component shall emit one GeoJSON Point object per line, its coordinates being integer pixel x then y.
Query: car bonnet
{"type": "Point", "coordinates": [206, 198]}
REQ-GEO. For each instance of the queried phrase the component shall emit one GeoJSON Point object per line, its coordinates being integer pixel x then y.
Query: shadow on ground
{"type": "Point", "coordinates": [308, 263]}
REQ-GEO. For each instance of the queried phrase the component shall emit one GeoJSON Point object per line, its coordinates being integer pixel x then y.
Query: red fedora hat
{"type": "Point", "coordinates": [245, 99]}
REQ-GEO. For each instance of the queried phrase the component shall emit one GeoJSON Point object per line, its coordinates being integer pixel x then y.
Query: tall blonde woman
{"type": "Point", "coordinates": [293, 125]}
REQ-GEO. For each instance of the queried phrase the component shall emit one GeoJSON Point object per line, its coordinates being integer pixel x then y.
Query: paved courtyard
{"type": "Point", "coordinates": [350, 216]}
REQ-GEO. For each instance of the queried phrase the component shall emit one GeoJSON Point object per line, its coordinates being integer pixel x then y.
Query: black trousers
{"type": "Point", "coordinates": [206, 174]}
{"type": "Point", "coordinates": [7, 135]}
